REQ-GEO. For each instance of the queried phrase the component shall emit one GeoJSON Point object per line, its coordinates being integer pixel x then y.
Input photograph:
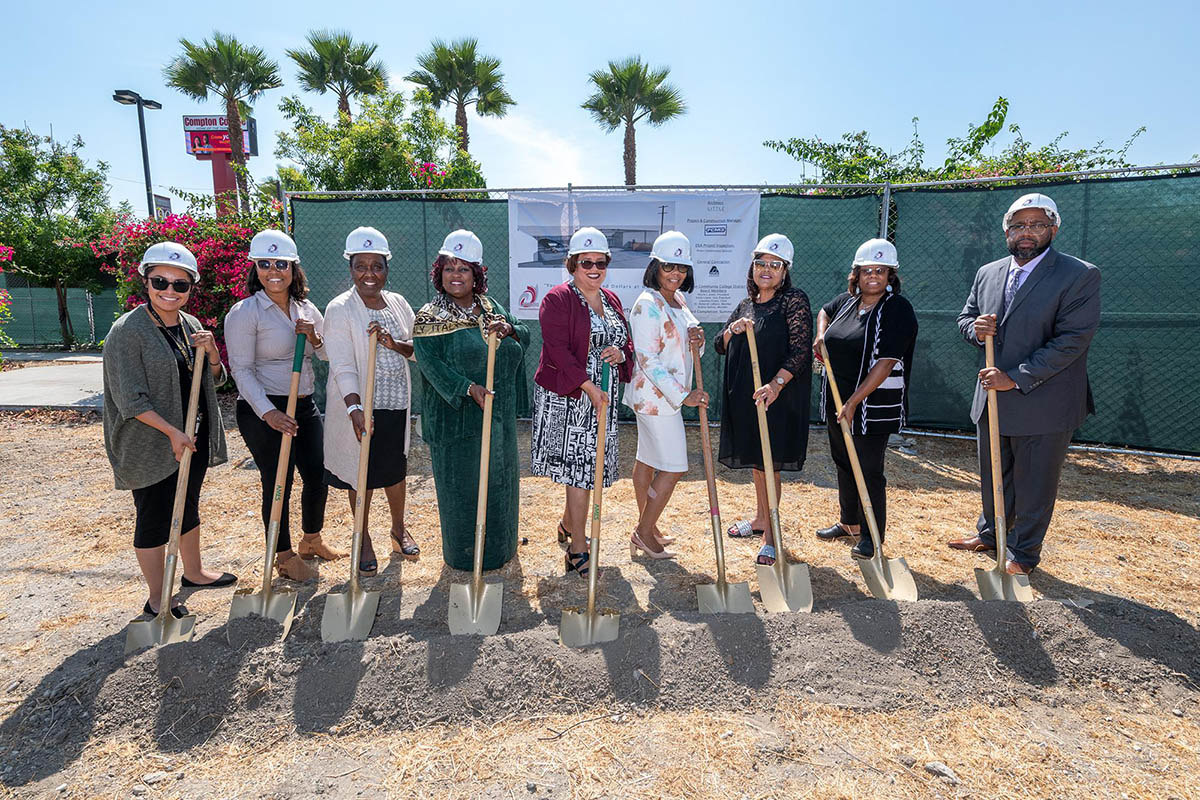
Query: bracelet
{"type": "Point", "coordinates": [468, 394]}
{"type": "Point", "coordinates": [353, 408]}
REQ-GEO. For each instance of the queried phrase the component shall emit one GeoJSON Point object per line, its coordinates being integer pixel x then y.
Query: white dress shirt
{"type": "Point", "coordinates": [1025, 270]}
{"type": "Point", "coordinates": [261, 341]}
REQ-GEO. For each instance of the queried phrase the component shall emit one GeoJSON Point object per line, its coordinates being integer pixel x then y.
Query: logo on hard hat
{"type": "Point", "coordinates": [588, 242]}
{"type": "Point", "coordinates": [175, 256]}
{"type": "Point", "coordinates": [678, 251]}
{"type": "Point", "coordinates": [458, 247]}
{"type": "Point", "coordinates": [273, 248]}
{"type": "Point", "coordinates": [1028, 201]}
{"type": "Point", "coordinates": [774, 246]}
{"type": "Point", "coordinates": [879, 254]}
{"type": "Point", "coordinates": [366, 242]}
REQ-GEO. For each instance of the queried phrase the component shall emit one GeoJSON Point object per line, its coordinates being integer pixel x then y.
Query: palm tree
{"type": "Point", "coordinates": [456, 73]}
{"type": "Point", "coordinates": [234, 72]}
{"type": "Point", "coordinates": [334, 61]}
{"type": "Point", "coordinates": [628, 92]}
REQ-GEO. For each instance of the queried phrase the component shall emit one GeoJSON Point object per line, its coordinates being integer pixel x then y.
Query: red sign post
{"type": "Point", "coordinates": [207, 138]}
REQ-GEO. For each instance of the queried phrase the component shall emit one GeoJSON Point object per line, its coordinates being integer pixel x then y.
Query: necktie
{"type": "Point", "coordinates": [1014, 281]}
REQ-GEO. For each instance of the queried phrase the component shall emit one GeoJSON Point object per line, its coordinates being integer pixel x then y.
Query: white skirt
{"type": "Point", "coordinates": [662, 443]}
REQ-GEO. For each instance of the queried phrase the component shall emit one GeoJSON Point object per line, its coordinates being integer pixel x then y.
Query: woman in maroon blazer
{"type": "Point", "coordinates": [583, 326]}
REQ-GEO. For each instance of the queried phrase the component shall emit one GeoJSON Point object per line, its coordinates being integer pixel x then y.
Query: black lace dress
{"type": "Point", "coordinates": [783, 333]}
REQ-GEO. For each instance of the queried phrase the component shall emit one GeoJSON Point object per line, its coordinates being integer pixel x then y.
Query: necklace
{"type": "Point", "coordinates": [179, 345]}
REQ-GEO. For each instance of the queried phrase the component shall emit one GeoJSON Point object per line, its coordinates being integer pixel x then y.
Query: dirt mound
{"type": "Point", "coordinates": [864, 655]}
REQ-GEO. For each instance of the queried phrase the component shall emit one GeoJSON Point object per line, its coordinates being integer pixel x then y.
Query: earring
{"type": "Point", "coordinates": [889, 288]}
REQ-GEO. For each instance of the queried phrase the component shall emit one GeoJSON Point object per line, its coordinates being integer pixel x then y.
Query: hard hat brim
{"type": "Point", "coordinates": [452, 255]}
{"type": "Point", "coordinates": [385, 253]}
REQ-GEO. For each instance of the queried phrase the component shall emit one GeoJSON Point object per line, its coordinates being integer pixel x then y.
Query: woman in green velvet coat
{"type": "Point", "coordinates": [450, 338]}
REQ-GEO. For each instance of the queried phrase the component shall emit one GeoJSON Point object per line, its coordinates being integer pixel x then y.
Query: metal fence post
{"type": "Point", "coordinates": [91, 319]}
{"type": "Point", "coordinates": [885, 212]}
{"type": "Point", "coordinates": [283, 200]}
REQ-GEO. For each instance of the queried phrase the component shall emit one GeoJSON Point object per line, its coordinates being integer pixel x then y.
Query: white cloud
{"type": "Point", "coordinates": [517, 151]}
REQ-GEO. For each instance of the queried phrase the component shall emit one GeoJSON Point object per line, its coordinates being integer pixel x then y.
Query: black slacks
{"type": "Point", "coordinates": [1030, 467]}
{"type": "Point", "coordinates": [307, 456]}
{"type": "Point", "coordinates": [871, 449]}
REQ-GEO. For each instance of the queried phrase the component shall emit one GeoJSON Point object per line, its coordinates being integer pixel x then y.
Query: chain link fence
{"type": "Point", "coordinates": [35, 314]}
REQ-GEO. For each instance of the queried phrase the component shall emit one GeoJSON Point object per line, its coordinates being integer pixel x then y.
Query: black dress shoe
{"type": "Point", "coordinates": [865, 548]}
{"type": "Point", "coordinates": [226, 579]}
{"type": "Point", "coordinates": [178, 612]}
{"type": "Point", "coordinates": [834, 531]}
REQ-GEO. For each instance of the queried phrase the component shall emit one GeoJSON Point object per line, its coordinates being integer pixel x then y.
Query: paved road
{"type": "Point", "coordinates": [70, 385]}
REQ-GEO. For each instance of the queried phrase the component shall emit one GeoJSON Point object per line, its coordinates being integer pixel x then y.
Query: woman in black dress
{"type": "Point", "coordinates": [870, 332]}
{"type": "Point", "coordinates": [782, 324]}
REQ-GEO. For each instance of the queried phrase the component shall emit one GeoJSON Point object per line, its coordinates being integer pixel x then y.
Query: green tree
{"type": "Point", "coordinates": [628, 92]}
{"type": "Point", "coordinates": [237, 74]}
{"type": "Point", "coordinates": [855, 159]}
{"type": "Point", "coordinates": [335, 62]}
{"type": "Point", "coordinates": [457, 73]}
{"type": "Point", "coordinates": [51, 204]}
{"type": "Point", "coordinates": [387, 146]}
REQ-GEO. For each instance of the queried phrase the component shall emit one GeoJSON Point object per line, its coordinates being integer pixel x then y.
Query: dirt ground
{"type": "Point", "coordinates": [1091, 691]}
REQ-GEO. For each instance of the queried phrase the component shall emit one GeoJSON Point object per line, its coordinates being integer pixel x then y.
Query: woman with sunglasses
{"type": "Point", "coordinates": [350, 319]}
{"type": "Point", "coordinates": [260, 336]}
{"type": "Point", "coordinates": [583, 326]}
{"type": "Point", "coordinates": [664, 330]}
{"type": "Point", "coordinates": [148, 358]}
{"type": "Point", "coordinates": [782, 325]}
{"type": "Point", "coordinates": [870, 332]}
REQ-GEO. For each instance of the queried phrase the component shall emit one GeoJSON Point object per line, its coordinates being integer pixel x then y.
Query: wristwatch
{"type": "Point", "coordinates": [779, 380]}
{"type": "Point", "coordinates": [353, 408]}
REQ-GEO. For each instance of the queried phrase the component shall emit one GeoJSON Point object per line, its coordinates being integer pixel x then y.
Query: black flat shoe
{"type": "Point", "coordinates": [178, 612]}
{"type": "Point", "coordinates": [226, 579]}
{"type": "Point", "coordinates": [834, 531]}
{"type": "Point", "coordinates": [864, 549]}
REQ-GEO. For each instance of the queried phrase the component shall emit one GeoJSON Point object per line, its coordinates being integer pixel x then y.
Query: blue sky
{"type": "Point", "coordinates": [749, 70]}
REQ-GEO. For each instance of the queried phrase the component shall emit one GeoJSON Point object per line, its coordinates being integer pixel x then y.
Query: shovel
{"type": "Point", "coordinates": [996, 583]}
{"type": "Point", "coordinates": [583, 627]}
{"type": "Point", "coordinates": [475, 606]}
{"type": "Point", "coordinates": [165, 628]}
{"type": "Point", "coordinates": [276, 604]}
{"type": "Point", "coordinates": [887, 578]}
{"type": "Point", "coordinates": [721, 597]}
{"type": "Point", "coordinates": [349, 615]}
{"type": "Point", "coordinates": [783, 586]}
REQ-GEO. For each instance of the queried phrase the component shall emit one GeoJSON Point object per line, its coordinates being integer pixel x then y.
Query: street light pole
{"type": "Point", "coordinates": [128, 97]}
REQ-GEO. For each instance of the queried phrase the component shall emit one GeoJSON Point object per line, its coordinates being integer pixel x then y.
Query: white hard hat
{"type": "Point", "coordinates": [776, 244]}
{"type": "Point", "coordinates": [463, 244]}
{"type": "Point", "coordinates": [672, 247]}
{"type": "Point", "coordinates": [588, 240]}
{"type": "Point", "coordinates": [877, 251]}
{"type": "Point", "coordinates": [1033, 200]}
{"type": "Point", "coordinates": [366, 240]}
{"type": "Point", "coordinates": [170, 254]}
{"type": "Point", "coordinates": [272, 244]}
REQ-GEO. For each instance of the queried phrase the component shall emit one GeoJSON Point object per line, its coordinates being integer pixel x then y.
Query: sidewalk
{"type": "Point", "coordinates": [52, 355]}
{"type": "Point", "coordinates": [76, 384]}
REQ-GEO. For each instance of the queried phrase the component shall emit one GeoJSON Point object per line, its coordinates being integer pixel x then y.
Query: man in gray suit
{"type": "Point", "coordinates": [1047, 305]}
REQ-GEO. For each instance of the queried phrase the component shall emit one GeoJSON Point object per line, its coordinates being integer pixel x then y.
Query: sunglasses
{"type": "Point", "coordinates": [874, 270]}
{"type": "Point", "coordinates": [278, 266]}
{"type": "Point", "coordinates": [674, 268]}
{"type": "Point", "coordinates": [774, 266]}
{"type": "Point", "coordinates": [160, 284]}
{"type": "Point", "coordinates": [589, 264]}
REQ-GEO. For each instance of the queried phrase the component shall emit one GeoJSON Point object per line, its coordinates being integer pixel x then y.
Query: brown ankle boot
{"type": "Point", "coordinates": [294, 568]}
{"type": "Point", "coordinates": [315, 548]}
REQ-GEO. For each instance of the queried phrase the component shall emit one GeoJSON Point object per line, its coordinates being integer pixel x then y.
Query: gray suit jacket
{"type": "Point", "coordinates": [1041, 342]}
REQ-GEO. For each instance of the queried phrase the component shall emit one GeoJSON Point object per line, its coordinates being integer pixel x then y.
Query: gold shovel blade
{"type": "Point", "coordinates": [163, 629]}
{"type": "Point", "coordinates": [472, 614]}
{"type": "Point", "coordinates": [580, 629]}
{"type": "Point", "coordinates": [995, 584]}
{"type": "Point", "coordinates": [278, 604]}
{"type": "Point", "coordinates": [724, 598]}
{"type": "Point", "coordinates": [349, 615]}
{"type": "Point", "coordinates": [888, 578]}
{"type": "Point", "coordinates": [785, 587]}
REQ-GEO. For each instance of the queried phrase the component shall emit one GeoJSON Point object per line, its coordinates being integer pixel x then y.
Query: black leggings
{"type": "Point", "coordinates": [308, 455]}
{"type": "Point", "coordinates": [871, 449]}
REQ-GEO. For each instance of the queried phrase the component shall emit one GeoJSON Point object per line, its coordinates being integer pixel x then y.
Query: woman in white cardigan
{"type": "Point", "coordinates": [349, 320]}
{"type": "Point", "coordinates": [664, 330]}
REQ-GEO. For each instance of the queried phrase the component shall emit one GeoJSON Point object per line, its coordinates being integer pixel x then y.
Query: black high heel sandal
{"type": "Point", "coordinates": [578, 562]}
{"type": "Point", "coordinates": [564, 535]}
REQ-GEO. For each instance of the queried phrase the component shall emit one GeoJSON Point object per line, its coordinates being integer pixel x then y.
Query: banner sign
{"type": "Point", "coordinates": [722, 227]}
{"type": "Point", "coordinates": [208, 135]}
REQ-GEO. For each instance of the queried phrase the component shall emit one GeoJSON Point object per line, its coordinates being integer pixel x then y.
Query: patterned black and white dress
{"type": "Point", "coordinates": [564, 439]}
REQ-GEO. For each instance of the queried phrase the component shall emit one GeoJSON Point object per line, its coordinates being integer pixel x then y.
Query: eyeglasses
{"type": "Point", "coordinates": [589, 264]}
{"type": "Point", "coordinates": [1036, 227]}
{"type": "Point", "coordinates": [774, 266]}
{"type": "Point", "coordinates": [278, 266]}
{"type": "Point", "coordinates": [873, 270]}
{"type": "Point", "coordinates": [674, 268]}
{"type": "Point", "coordinates": [160, 284]}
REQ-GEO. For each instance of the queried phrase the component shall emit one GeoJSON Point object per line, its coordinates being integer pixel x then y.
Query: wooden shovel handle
{"type": "Point", "coordinates": [989, 350]}
{"type": "Point", "coordinates": [485, 453]}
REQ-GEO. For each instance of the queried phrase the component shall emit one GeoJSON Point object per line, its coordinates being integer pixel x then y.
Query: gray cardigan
{"type": "Point", "coordinates": [140, 375]}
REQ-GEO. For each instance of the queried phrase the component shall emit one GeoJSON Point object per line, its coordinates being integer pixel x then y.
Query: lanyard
{"type": "Point", "coordinates": [181, 346]}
